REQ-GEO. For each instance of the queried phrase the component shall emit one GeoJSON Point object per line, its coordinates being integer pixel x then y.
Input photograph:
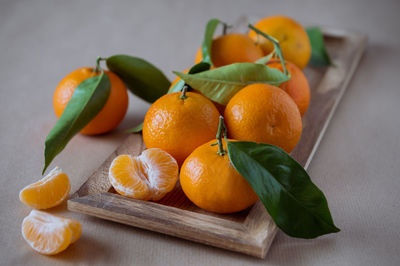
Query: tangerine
{"type": "Point", "coordinates": [292, 38]}
{"type": "Point", "coordinates": [264, 113]}
{"type": "Point", "coordinates": [211, 182]}
{"type": "Point", "coordinates": [180, 122]}
{"type": "Point", "coordinates": [297, 87]}
{"type": "Point", "coordinates": [148, 176]}
{"type": "Point", "coordinates": [232, 48]}
{"type": "Point", "coordinates": [112, 112]}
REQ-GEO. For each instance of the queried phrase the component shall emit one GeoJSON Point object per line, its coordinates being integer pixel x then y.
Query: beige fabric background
{"type": "Point", "coordinates": [357, 164]}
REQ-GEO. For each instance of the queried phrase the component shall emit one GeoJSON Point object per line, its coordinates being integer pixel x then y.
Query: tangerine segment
{"type": "Point", "coordinates": [76, 229]}
{"type": "Point", "coordinates": [48, 192]}
{"type": "Point", "coordinates": [148, 176]}
{"type": "Point", "coordinates": [49, 234]}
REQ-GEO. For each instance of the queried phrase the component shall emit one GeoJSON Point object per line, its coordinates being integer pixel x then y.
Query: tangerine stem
{"type": "Point", "coordinates": [98, 67]}
{"type": "Point", "coordinates": [183, 94]}
{"type": "Point", "coordinates": [221, 131]}
{"type": "Point", "coordinates": [225, 28]}
{"type": "Point", "coordinates": [276, 44]}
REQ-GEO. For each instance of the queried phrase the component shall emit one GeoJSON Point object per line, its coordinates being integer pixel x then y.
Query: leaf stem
{"type": "Point", "coordinates": [183, 94]}
{"type": "Point", "coordinates": [221, 132]}
{"type": "Point", "coordinates": [276, 44]}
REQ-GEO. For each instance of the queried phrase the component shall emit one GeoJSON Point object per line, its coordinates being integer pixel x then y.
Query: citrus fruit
{"type": "Point", "coordinates": [179, 124]}
{"type": "Point", "coordinates": [112, 112]}
{"type": "Point", "coordinates": [232, 48]}
{"type": "Point", "coordinates": [292, 38]}
{"type": "Point", "coordinates": [49, 234]}
{"type": "Point", "coordinates": [211, 182]}
{"type": "Point", "coordinates": [297, 87]}
{"type": "Point", "coordinates": [48, 192]}
{"type": "Point", "coordinates": [148, 176]}
{"type": "Point", "coordinates": [264, 113]}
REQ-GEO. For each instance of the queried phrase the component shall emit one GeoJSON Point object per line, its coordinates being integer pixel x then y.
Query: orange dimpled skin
{"type": "Point", "coordinates": [297, 87]}
{"type": "Point", "coordinates": [211, 182]}
{"type": "Point", "coordinates": [232, 48]}
{"type": "Point", "coordinates": [292, 38]}
{"type": "Point", "coordinates": [178, 126]}
{"type": "Point", "coordinates": [264, 113]}
{"type": "Point", "coordinates": [113, 111]}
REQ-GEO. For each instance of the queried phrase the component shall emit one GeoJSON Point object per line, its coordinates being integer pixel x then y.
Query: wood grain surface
{"type": "Point", "coordinates": [251, 231]}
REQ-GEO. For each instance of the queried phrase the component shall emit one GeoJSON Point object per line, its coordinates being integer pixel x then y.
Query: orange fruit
{"type": "Point", "coordinates": [49, 234]}
{"type": "Point", "coordinates": [148, 176]}
{"type": "Point", "coordinates": [178, 126]}
{"type": "Point", "coordinates": [264, 113]}
{"type": "Point", "coordinates": [232, 48]}
{"type": "Point", "coordinates": [297, 87]}
{"type": "Point", "coordinates": [292, 38]}
{"type": "Point", "coordinates": [48, 192]}
{"type": "Point", "coordinates": [113, 111]}
{"type": "Point", "coordinates": [211, 182]}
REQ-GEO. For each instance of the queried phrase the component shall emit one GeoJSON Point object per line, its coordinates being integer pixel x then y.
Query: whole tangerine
{"type": "Point", "coordinates": [292, 38]}
{"type": "Point", "coordinates": [112, 112]}
{"type": "Point", "coordinates": [297, 87]}
{"type": "Point", "coordinates": [211, 182]}
{"type": "Point", "coordinates": [232, 48]}
{"type": "Point", "coordinates": [264, 113]}
{"type": "Point", "coordinates": [180, 122]}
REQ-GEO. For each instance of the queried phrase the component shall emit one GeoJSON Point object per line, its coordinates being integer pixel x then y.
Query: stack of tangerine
{"type": "Point", "coordinates": [180, 128]}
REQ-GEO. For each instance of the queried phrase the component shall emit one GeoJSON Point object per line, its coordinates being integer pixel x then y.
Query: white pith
{"type": "Point", "coordinates": [45, 224]}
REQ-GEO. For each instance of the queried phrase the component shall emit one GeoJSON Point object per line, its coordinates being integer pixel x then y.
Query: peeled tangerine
{"type": "Point", "coordinates": [148, 176]}
{"type": "Point", "coordinates": [49, 234]}
{"type": "Point", "coordinates": [48, 192]}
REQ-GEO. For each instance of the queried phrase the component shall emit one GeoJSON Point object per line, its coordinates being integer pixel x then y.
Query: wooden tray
{"type": "Point", "coordinates": [251, 231]}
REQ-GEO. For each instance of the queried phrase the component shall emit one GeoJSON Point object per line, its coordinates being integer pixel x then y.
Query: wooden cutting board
{"type": "Point", "coordinates": [251, 231]}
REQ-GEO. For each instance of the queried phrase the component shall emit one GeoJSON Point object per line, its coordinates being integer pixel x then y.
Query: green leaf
{"type": "Point", "coordinates": [296, 205]}
{"type": "Point", "coordinates": [319, 55]}
{"type": "Point", "coordinates": [265, 59]}
{"type": "Point", "coordinates": [222, 83]}
{"type": "Point", "coordinates": [200, 67]}
{"type": "Point", "coordinates": [208, 39]}
{"type": "Point", "coordinates": [136, 129]}
{"type": "Point", "coordinates": [86, 102]}
{"type": "Point", "coordinates": [142, 78]}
